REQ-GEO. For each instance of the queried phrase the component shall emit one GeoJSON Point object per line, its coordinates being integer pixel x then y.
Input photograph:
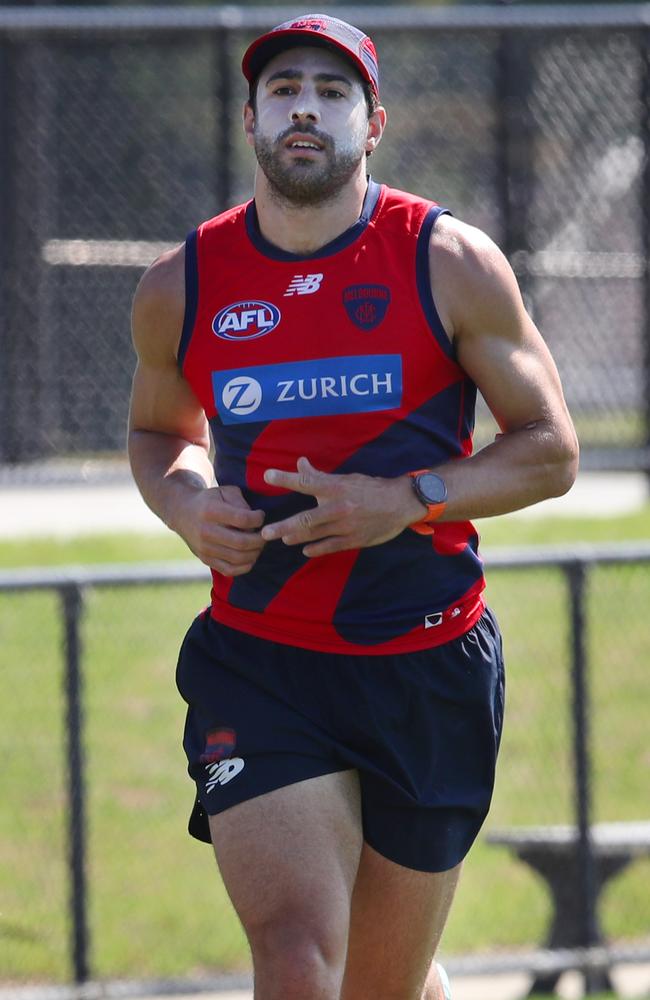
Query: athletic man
{"type": "Point", "coordinates": [345, 687]}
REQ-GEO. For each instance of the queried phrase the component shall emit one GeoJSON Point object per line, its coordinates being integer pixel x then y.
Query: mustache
{"type": "Point", "coordinates": [305, 130]}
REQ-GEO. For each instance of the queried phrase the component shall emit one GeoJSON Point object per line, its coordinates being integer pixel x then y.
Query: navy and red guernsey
{"type": "Point", "coordinates": [339, 356]}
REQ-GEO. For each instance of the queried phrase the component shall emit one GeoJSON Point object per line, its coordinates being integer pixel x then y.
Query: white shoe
{"type": "Point", "coordinates": [444, 979]}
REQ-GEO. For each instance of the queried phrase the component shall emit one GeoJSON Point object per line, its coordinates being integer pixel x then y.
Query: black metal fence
{"type": "Point", "coordinates": [119, 132]}
{"type": "Point", "coordinates": [93, 777]}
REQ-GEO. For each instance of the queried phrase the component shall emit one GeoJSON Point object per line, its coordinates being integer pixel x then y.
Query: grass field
{"type": "Point", "coordinates": [157, 908]}
{"type": "Point", "coordinates": [592, 996]}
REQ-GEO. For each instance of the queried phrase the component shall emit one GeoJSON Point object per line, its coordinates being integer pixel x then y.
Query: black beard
{"type": "Point", "coordinates": [305, 182]}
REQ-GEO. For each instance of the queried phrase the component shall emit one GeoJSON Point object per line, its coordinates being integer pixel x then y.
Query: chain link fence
{"type": "Point", "coordinates": [99, 878]}
{"type": "Point", "coordinates": [120, 131]}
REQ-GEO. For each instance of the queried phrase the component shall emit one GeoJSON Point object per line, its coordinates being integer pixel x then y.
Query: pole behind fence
{"type": "Point", "coordinates": [515, 150]}
{"type": "Point", "coordinates": [644, 215]}
{"type": "Point", "coordinates": [223, 95]}
{"type": "Point", "coordinates": [586, 865]}
{"type": "Point", "coordinates": [72, 600]}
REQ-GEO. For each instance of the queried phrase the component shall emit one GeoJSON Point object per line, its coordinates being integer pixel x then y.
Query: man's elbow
{"type": "Point", "coordinates": [563, 469]}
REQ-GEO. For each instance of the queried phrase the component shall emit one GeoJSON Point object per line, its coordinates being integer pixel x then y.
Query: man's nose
{"type": "Point", "coordinates": [304, 111]}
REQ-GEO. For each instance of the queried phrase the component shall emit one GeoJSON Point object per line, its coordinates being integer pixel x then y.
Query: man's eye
{"type": "Point", "coordinates": [330, 92]}
{"type": "Point", "coordinates": [283, 90]}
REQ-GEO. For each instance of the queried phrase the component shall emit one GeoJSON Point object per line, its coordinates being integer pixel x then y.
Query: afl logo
{"type": "Point", "coordinates": [245, 320]}
{"type": "Point", "coordinates": [241, 395]}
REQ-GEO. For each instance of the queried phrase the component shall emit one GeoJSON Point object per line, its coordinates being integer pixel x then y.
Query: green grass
{"type": "Point", "coordinates": [592, 996]}
{"type": "Point", "coordinates": [515, 530]}
{"type": "Point", "coordinates": [157, 907]}
{"type": "Point", "coordinates": [91, 550]}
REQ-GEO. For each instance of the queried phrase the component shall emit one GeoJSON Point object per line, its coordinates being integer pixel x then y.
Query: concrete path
{"type": "Point", "coordinates": [70, 509]}
{"type": "Point", "coordinates": [631, 981]}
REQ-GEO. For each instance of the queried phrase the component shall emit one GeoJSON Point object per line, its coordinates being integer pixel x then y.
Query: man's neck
{"type": "Point", "coordinates": [304, 229]}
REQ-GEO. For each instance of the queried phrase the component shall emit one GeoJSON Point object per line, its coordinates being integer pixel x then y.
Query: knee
{"type": "Point", "coordinates": [293, 960]}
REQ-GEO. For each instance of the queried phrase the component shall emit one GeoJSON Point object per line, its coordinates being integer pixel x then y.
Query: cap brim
{"type": "Point", "coordinates": [263, 49]}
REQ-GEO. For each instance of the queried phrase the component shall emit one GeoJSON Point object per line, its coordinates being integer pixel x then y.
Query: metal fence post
{"type": "Point", "coordinates": [589, 933]}
{"type": "Point", "coordinates": [514, 150]}
{"type": "Point", "coordinates": [10, 360]}
{"type": "Point", "coordinates": [223, 93]}
{"type": "Point", "coordinates": [72, 601]}
{"type": "Point", "coordinates": [27, 215]}
{"type": "Point", "coordinates": [644, 41]}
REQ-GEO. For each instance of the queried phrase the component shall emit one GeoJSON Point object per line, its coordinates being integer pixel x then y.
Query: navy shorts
{"type": "Point", "coordinates": [422, 729]}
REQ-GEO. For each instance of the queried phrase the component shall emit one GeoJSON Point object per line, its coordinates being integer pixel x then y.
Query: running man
{"type": "Point", "coordinates": [345, 686]}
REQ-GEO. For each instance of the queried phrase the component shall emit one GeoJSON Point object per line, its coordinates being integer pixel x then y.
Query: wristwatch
{"type": "Point", "coordinates": [431, 491]}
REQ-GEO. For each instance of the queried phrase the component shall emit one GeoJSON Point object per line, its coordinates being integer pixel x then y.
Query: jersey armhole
{"type": "Point", "coordinates": [191, 296]}
{"type": "Point", "coordinates": [424, 280]}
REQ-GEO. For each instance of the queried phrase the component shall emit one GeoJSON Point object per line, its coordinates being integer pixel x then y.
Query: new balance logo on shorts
{"type": "Point", "coordinates": [223, 772]}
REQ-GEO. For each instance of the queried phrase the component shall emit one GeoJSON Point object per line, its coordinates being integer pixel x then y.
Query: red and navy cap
{"type": "Point", "coordinates": [315, 29]}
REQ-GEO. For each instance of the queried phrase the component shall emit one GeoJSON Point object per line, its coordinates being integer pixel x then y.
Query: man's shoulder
{"type": "Point", "coordinates": [399, 196]}
{"type": "Point", "coordinates": [224, 221]}
{"type": "Point", "coordinates": [402, 213]}
{"type": "Point", "coordinates": [471, 279]}
{"type": "Point", "coordinates": [463, 248]}
{"type": "Point", "coordinates": [164, 280]}
{"type": "Point", "coordinates": [158, 307]}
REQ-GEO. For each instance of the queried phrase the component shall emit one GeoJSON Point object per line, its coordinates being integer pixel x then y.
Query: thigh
{"type": "Point", "coordinates": [397, 917]}
{"type": "Point", "coordinates": [253, 722]}
{"type": "Point", "coordinates": [289, 858]}
{"type": "Point", "coordinates": [426, 794]}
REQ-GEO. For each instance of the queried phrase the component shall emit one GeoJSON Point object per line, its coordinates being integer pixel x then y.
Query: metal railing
{"type": "Point", "coordinates": [576, 563]}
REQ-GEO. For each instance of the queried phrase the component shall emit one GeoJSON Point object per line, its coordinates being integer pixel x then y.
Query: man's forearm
{"type": "Point", "coordinates": [520, 468]}
{"type": "Point", "coordinates": [166, 468]}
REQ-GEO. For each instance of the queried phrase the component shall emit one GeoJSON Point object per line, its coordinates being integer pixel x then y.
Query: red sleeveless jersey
{"type": "Point", "coordinates": [339, 356]}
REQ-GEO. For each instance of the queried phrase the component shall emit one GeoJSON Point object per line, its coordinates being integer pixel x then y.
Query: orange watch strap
{"type": "Point", "coordinates": [426, 524]}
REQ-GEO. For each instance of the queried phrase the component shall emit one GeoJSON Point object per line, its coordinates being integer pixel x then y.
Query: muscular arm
{"type": "Point", "coordinates": [534, 457]}
{"type": "Point", "coordinates": [499, 347]}
{"type": "Point", "coordinates": [168, 439]}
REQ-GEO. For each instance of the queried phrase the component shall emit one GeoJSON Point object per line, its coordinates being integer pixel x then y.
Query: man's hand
{"type": "Point", "coordinates": [220, 528]}
{"type": "Point", "coordinates": [353, 511]}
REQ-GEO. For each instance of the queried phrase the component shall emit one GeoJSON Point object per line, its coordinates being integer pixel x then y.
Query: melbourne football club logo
{"type": "Point", "coordinates": [366, 305]}
{"type": "Point", "coordinates": [219, 743]}
{"type": "Point", "coordinates": [246, 320]}
{"type": "Point", "coordinates": [241, 395]}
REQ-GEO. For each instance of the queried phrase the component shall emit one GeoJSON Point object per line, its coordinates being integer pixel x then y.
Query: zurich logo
{"type": "Point", "coordinates": [241, 395]}
{"type": "Point", "coordinates": [246, 320]}
{"type": "Point", "coordinates": [316, 388]}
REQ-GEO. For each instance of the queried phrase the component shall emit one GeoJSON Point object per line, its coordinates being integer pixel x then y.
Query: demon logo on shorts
{"type": "Point", "coordinates": [219, 744]}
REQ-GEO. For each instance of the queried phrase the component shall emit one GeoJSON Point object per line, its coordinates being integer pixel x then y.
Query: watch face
{"type": "Point", "coordinates": [431, 488]}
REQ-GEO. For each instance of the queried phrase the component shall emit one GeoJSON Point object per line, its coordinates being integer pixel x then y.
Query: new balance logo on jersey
{"type": "Point", "coordinates": [304, 284]}
{"type": "Point", "coordinates": [322, 387]}
{"type": "Point", "coordinates": [223, 772]}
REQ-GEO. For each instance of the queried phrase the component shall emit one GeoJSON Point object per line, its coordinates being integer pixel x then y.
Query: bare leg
{"type": "Point", "coordinates": [434, 988]}
{"type": "Point", "coordinates": [289, 861]}
{"type": "Point", "coordinates": [398, 916]}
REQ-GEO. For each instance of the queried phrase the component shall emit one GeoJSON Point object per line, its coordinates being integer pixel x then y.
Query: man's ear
{"type": "Point", "coordinates": [248, 122]}
{"type": "Point", "coordinates": [376, 126]}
